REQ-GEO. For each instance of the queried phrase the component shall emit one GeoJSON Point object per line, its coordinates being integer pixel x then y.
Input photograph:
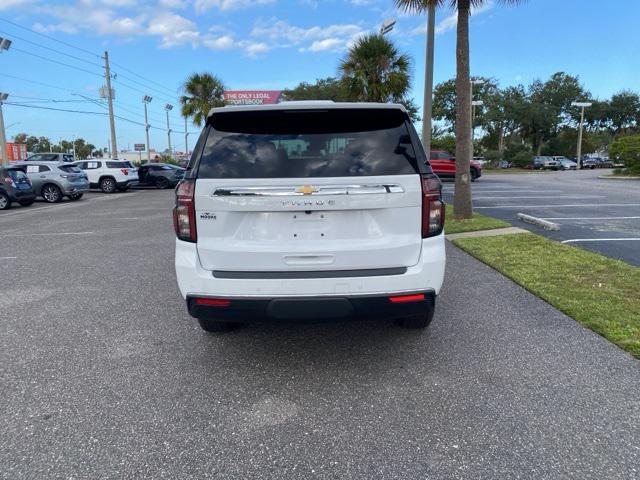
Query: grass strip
{"type": "Point", "coordinates": [599, 292]}
{"type": "Point", "coordinates": [478, 222]}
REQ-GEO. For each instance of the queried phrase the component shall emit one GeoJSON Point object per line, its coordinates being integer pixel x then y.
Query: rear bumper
{"type": "Point", "coordinates": [426, 275]}
{"type": "Point", "coordinates": [16, 195]}
{"type": "Point", "coordinates": [75, 188]}
{"type": "Point", "coordinates": [301, 309]}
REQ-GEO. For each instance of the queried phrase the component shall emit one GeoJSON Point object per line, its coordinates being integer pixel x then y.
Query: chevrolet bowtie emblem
{"type": "Point", "coordinates": [306, 189]}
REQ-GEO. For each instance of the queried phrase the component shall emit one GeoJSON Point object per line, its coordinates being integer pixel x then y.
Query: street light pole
{"type": "Point", "coordinates": [582, 105]}
{"type": "Point", "coordinates": [145, 100]}
{"type": "Point", "coordinates": [427, 101]}
{"type": "Point", "coordinates": [186, 137]}
{"type": "Point", "coordinates": [109, 95]}
{"type": "Point", "coordinates": [474, 104]}
{"type": "Point", "coordinates": [3, 138]}
{"type": "Point", "coordinates": [167, 109]}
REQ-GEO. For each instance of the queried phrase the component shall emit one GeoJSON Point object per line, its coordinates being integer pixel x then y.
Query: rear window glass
{"type": "Point", "coordinates": [18, 176]}
{"type": "Point", "coordinates": [70, 169]}
{"type": "Point", "coordinates": [317, 143]}
{"type": "Point", "coordinates": [44, 157]}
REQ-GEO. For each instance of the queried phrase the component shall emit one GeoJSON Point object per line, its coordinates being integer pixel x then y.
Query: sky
{"type": "Point", "coordinates": [154, 45]}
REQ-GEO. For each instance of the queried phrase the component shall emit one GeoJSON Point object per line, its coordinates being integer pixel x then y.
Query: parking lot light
{"type": "Point", "coordinates": [387, 26]}
{"type": "Point", "coordinates": [145, 100]}
{"type": "Point", "coordinates": [3, 138]}
{"type": "Point", "coordinates": [582, 106]}
{"type": "Point", "coordinates": [5, 43]}
{"type": "Point", "coordinates": [168, 107]}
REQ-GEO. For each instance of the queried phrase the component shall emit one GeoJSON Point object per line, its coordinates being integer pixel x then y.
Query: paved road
{"type": "Point", "coordinates": [104, 375]}
{"type": "Point", "coordinates": [596, 214]}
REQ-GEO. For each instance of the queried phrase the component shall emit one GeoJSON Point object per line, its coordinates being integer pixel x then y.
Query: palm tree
{"type": "Point", "coordinates": [462, 206]}
{"type": "Point", "coordinates": [203, 92]}
{"type": "Point", "coordinates": [375, 71]}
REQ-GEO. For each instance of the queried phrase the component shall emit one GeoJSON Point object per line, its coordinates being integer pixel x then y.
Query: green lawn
{"type": "Point", "coordinates": [601, 293]}
{"type": "Point", "coordinates": [478, 222]}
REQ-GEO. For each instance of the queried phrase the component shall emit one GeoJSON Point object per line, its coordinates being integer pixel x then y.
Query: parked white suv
{"type": "Point", "coordinates": [309, 210]}
{"type": "Point", "coordinates": [109, 175]}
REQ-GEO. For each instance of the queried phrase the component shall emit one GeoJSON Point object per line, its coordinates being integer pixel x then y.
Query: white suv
{"type": "Point", "coordinates": [309, 210]}
{"type": "Point", "coordinates": [109, 175]}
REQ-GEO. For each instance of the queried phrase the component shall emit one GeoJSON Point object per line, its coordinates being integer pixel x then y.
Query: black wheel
{"type": "Point", "coordinates": [162, 183]}
{"type": "Point", "coordinates": [474, 174]}
{"type": "Point", "coordinates": [5, 201]}
{"type": "Point", "coordinates": [214, 326]}
{"type": "Point", "coordinates": [75, 196]}
{"type": "Point", "coordinates": [26, 203]}
{"type": "Point", "coordinates": [108, 185]}
{"type": "Point", "coordinates": [422, 320]}
{"type": "Point", "coordinates": [51, 193]}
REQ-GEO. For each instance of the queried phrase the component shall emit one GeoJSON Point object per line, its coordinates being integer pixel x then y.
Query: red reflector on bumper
{"type": "Point", "coordinates": [418, 297]}
{"type": "Point", "coordinates": [212, 302]}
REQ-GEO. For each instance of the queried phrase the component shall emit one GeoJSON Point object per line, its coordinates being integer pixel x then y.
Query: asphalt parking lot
{"type": "Point", "coordinates": [104, 374]}
{"type": "Point", "coordinates": [595, 214]}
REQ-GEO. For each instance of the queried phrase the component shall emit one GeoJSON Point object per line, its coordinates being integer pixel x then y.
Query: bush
{"type": "Point", "coordinates": [522, 159]}
{"type": "Point", "coordinates": [444, 142]}
{"type": "Point", "coordinates": [493, 157]}
{"type": "Point", "coordinates": [627, 151]}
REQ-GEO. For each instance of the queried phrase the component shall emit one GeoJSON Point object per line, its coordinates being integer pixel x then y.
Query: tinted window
{"type": "Point", "coordinates": [44, 157]}
{"type": "Point", "coordinates": [70, 169]}
{"type": "Point", "coordinates": [18, 176]}
{"type": "Point", "coordinates": [117, 165]}
{"type": "Point", "coordinates": [44, 168]}
{"type": "Point", "coordinates": [317, 143]}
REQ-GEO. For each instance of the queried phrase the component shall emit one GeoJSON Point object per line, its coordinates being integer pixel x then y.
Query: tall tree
{"type": "Point", "coordinates": [323, 89]}
{"type": "Point", "coordinates": [375, 71]}
{"type": "Point", "coordinates": [203, 91]}
{"type": "Point", "coordinates": [624, 110]}
{"type": "Point", "coordinates": [462, 206]}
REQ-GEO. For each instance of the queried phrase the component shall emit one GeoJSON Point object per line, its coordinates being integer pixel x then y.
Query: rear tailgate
{"type": "Point", "coordinates": [312, 191]}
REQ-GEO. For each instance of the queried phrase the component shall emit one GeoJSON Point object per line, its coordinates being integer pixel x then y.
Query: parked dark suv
{"type": "Point", "coordinates": [15, 186]}
{"type": "Point", "coordinates": [160, 175]}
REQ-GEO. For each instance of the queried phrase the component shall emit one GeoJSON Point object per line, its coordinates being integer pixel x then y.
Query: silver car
{"type": "Point", "coordinates": [55, 180]}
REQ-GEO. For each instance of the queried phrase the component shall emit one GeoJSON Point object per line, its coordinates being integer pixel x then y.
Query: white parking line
{"type": "Point", "coordinates": [579, 240]}
{"type": "Point", "coordinates": [8, 258]}
{"type": "Point", "coordinates": [565, 206]}
{"type": "Point", "coordinates": [590, 218]}
{"type": "Point", "coordinates": [44, 234]}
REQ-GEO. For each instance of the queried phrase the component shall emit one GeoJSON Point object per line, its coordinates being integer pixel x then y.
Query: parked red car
{"type": "Point", "coordinates": [444, 165]}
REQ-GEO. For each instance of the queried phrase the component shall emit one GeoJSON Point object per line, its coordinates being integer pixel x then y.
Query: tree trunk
{"type": "Point", "coordinates": [462, 206]}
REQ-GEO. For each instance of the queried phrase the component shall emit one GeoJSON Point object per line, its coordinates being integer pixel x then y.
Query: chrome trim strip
{"type": "Point", "coordinates": [321, 190]}
{"type": "Point", "coordinates": [296, 274]}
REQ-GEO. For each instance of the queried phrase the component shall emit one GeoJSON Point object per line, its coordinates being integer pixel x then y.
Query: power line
{"type": "Point", "coordinates": [140, 76]}
{"type": "Point", "coordinates": [37, 83]}
{"type": "Point", "coordinates": [52, 49]}
{"type": "Point", "coordinates": [56, 61]}
{"type": "Point", "coordinates": [93, 54]}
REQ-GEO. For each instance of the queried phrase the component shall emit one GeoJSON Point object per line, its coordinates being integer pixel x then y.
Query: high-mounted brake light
{"type": "Point", "coordinates": [9, 181]}
{"type": "Point", "coordinates": [184, 213]}
{"type": "Point", "coordinates": [432, 206]}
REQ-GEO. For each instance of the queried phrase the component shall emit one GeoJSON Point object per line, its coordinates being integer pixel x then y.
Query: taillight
{"type": "Point", "coordinates": [212, 302]}
{"type": "Point", "coordinates": [184, 213]}
{"type": "Point", "coordinates": [125, 171]}
{"type": "Point", "coordinates": [416, 297]}
{"type": "Point", "coordinates": [432, 206]}
{"type": "Point", "coordinates": [9, 181]}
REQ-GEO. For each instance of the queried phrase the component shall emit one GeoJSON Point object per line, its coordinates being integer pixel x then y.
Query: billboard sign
{"type": "Point", "coordinates": [16, 151]}
{"type": "Point", "coordinates": [139, 147]}
{"type": "Point", "coordinates": [252, 97]}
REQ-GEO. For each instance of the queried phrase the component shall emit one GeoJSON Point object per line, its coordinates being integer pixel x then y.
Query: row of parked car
{"type": "Point", "coordinates": [52, 179]}
{"type": "Point", "coordinates": [564, 163]}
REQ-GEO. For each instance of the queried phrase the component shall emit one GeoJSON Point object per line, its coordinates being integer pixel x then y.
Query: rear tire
{"type": "Point", "coordinates": [75, 196]}
{"type": "Point", "coordinates": [51, 193]}
{"type": "Point", "coordinates": [5, 201]}
{"type": "Point", "coordinates": [474, 174]}
{"type": "Point", "coordinates": [422, 320]}
{"type": "Point", "coordinates": [214, 326]}
{"type": "Point", "coordinates": [26, 203]}
{"type": "Point", "coordinates": [162, 183]}
{"type": "Point", "coordinates": [108, 185]}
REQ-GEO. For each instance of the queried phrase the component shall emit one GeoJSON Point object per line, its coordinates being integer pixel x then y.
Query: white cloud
{"type": "Point", "coordinates": [360, 3]}
{"type": "Point", "coordinates": [224, 42]}
{"type": "Point", "coordinates": [449, 23]}
{"type": "Point", "coordinates": [205, 5]}
{"type": "Point", "coordinates": [173, 4]}
{"type": "Point", "coordinates": [326, 44]}
{"type": "Point", "coordinates": [173, 30]}
{"type": "Point", "coordinates": [7, 4]}
{"type": "Point", "coordinates": [254, 49]}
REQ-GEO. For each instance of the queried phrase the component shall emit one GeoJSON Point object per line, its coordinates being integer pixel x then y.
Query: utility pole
{"type": "Point", "coordinates": [109, 95]}
{"type": "Point", "coordinates": [146, 99]}
{"type": "Point", "coordinates": [3, 138]}
{"type": "Point", "coordinates": [168, 108]}
{"type": "Point", "coordinates": [582, 105]}
{"type": "Point", "coordinates": [427, 104]}
{"type": "Point", "coordinates": [74, 148]}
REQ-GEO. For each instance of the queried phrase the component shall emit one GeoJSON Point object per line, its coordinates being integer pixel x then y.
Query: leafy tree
{"type": "Point", "coordinates": [624, 110]}
{"type": "Point", "coordinates": [375, 71]}
{"type": "Point", "coordinates": [627, 150]}
{"type": "Point", "coordinates": [324, 89]}
{"type": "Point", "coordinates": [462, 206]}
{"type": "Point", "coordinates": [203, 91]}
